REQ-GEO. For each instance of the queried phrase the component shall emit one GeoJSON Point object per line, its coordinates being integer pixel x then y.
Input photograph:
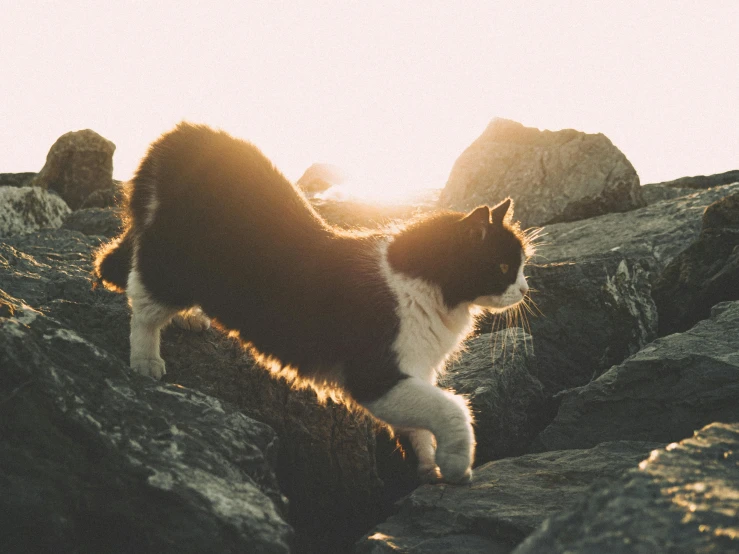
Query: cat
{"type": "Point", "coordinates": [215, 230]}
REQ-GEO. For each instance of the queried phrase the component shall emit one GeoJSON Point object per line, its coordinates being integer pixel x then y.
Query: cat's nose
{"type": "Point", "coordinates": [524, 288]}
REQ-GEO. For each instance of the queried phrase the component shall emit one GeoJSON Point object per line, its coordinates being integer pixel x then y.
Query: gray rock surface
{"type": "Point", "coordinates": [704, 274]}
{"type": "Point", "coordinates": [655, 234]}
{"type": "Point", "coordinates": [552, 176]}
{"type": "Point", "coordinates": [78, 164]}
{"type": "Point", "coordinates": [340, 473]}
{"type": "Point", "coordinates": [683, 499]}
{"type": "Point", "coordinates": [94, 221]}
{"type": "Point", "coordinates": [96, 459]}
{"type": "Point", "coordinates": [15, 179]}
{"type": "Point", "coordinates": [589, 315]}
{"type": "Point", "coordinates": [671, 387]}
{"type": "Point", "coordinates": [26, 209]}
{"type": "Point", "coordinates": [702, 181]}
{"type": "Point", "coordinates": [656, 192]}
{"type": "Point", "coordinates": [506, 500]}
{"type": "Point", "coordinates": [496, 373]}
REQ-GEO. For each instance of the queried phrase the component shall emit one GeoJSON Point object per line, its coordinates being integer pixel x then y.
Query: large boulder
{"type": "Point", "coordinates": [78, 164]}
{"type": "Point", "coordinates": [589, 315]}
{"type": "Point", "coordinates": [26, 209]}
{"type": "Point", "coordinates": [683, 499]}
{"type": "Point", "coordinates": [505, 502]}
{"type": "Point", "coordinates": [655, 234]}
{"type": "Point", "coordinates": [671, 387]}
{"type": "Point", "coordinates": [96, 459]}
{"type": "Point", "coordinates": [340, 473]}
{"type": "Point", "coordinates": [552, 176]}
{"type": "Point", "coordinates": [319, 178]}
{"type": "Point", "coordinates": [706, 273]}
{"type": "Point", "coordinates": [496, 373]}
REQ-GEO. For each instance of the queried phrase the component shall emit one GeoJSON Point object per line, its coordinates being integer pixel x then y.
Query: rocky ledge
{"type": "Point", "coordinates": [569, 396]}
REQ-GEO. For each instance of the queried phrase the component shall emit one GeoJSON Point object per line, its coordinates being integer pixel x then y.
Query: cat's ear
{"type": "Point", "coordinates": [475, 223]}
{"type": "Point", "coordinates": [502, 212]}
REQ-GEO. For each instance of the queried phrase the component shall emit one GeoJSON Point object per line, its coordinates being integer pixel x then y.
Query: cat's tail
{"type": "Point", "coordinates": [113, 262]}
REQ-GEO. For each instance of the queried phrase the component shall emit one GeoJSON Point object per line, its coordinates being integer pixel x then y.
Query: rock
{"type": "Point", "coordinates": [26, 209]}
{"type": "Point", "coordinates": [496, 373]}
{"type": "Point", "coordinates": [684, 498]}
{"type": "Point", "coordinates": [669, 388]}
{"type": "Point", "coordinates": [319, 178]}
{"type": "Point", "coordinates": [105, 198]}
{"type": "Point", "coordinates": [505, 502]}
{"type": "Point", "coordinates": [656, 193]}
{"type": "Point", "coordinates": [95, 221]}
{"type": "Point", "coordinates": [94, 458]}
{"type": "Point", "coordinates": [706, 273]}
{"type": "Point", "coordinates": [78, 164]}
{"type": "Point", "coordinates": [654, 235]}
{"type": "Point", "coordinates": [15, 179]}
{"type": "Point", "coordinates": [702, 181]}
{"type": "Point", "coordinates": [339, 472]}
{"type": "Point", "coordinates": [589, 315]}
{"type": "Point", "coordinates": [351, 215]}
{"type": "Point", "coordinates": [552, 176]}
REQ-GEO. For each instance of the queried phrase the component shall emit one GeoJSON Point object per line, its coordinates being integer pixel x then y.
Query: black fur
{"type": "Point", "coordinates": [232, 235]}
{"type": "Point", "coordinates": [113, 262]}
{"type": "Point", "coordinates": [462, 255]}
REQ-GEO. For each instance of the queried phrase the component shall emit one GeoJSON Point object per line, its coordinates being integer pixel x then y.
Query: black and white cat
{"type": "Point", "coordinates": [214, 226]}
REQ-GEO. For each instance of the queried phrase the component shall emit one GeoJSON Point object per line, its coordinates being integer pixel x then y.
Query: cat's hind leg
{"type": "Point", "coordinates": [193, 319]}
{"type": "Point", "coordinates": [147, 319]}
{"type": "Point", "coordinates": [414, 403]}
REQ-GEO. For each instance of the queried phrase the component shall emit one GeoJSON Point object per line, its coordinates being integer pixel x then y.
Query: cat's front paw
{"type": "Point", "coordinates": [192, 320]}
{"type": "Point", "coordinates": [429, 474]}
{"type": "Point", "coordinates": [151, 367]}
{"type": "Point", "coordinates": [455, 465]}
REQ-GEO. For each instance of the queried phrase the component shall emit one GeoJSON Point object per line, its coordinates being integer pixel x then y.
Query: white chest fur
{"type": "Point", "coordinates": [429, 331]}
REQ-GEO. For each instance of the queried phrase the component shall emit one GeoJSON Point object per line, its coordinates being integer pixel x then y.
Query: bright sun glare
{"type": "Point", "coordinates": [392, 92]}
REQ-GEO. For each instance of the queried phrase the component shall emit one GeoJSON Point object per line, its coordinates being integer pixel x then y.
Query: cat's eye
{"type": "Point", "coordinates": [504, 268]}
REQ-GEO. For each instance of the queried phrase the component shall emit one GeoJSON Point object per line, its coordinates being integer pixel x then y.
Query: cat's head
{"type": "Point", "coordinates": [476, 258]}
{"type": "Point", "coordinates": [493, 255]}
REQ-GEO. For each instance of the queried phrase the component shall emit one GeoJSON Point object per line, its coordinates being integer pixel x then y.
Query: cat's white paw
{"type": "Point", "coordinates": [151, 367]}
{"type": "Point", "coordinates": [192, 320]}
{"type": "Point", "coordinates": [455, 464]}
{"type": "Point", "coordinates": [429, 474]}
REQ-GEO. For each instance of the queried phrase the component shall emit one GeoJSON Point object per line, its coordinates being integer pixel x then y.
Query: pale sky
{"type": "Point", "coordinates": [392, 92]}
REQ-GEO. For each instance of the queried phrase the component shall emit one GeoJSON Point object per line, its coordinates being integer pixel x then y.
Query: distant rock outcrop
{"type": "Point", "coordinates": [552, 176]}
{"type": "Point", "coordinates": [15, 179]}
{"type": "Point", "coordinates": [671, 387]}
{"type": "Point", "coordinates": [656, 192]}
{"type": "Point", "coordinates": [706, 273]}
{"type": "Point", "coordinates": [26, 209]}
{"type": "Point", "coordinates": [683, 499]}
{"type": "Point", "coordinates": [78, 164]}
{"type": "Point", "coordinates": [319, 178]}
{"type": "Point", "coordinates": [702, 181]}
{"type": "Point", "coordinates": [94, 221]}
